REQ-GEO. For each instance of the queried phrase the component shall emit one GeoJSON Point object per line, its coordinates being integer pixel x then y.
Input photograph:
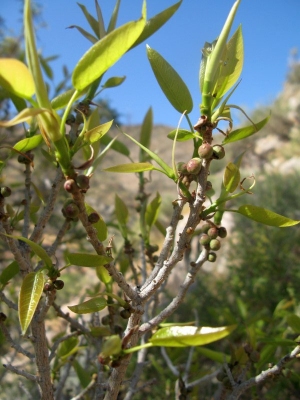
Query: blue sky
{"type": "Point", "coordinates": [270, 30]}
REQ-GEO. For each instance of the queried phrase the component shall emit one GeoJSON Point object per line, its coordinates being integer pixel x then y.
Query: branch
{"type": "Point", "coordinates": [277, 369]}
{"type": "Point", "coordinates": [64, 377]}
{"type": "Point", "coordinates": [13, 344]}
{"type": "Point", "coordinates": [61, 233]}
{"type": "Point", "coordinates": [75, 324]}
{"type": "Point", "coordinates": [7, 301]}
{"type": "Point", "coordinates": [203, 380]}
{"type": "Point", "coordinates": [60, 340]}
{"type": "Point", "coordinates": [137, 374]}
{"type": "Point", "coordinates": [85, 390]}
{"type": "Point", "coordinates": [27, 185]}
{"type": "Point", "coordinates": [30, 377]}
{"type": "Point", "coordinates": [167, 359]}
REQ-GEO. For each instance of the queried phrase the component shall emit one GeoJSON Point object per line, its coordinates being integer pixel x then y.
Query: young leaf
{"type": "Point", "coordinates": [100, 226]}
{"type": "Point", "coordinates": [29, 297]}
{"type": "Point", "coordinates": [24, 116]}
{"type": "Point", "coordinates": [231, 178]}
{"type": "Point", "coordinates": [95, 134]}
{"type": "Point", "coordinates": [89, 306]}
{"type": "Point", "coordinates": [103, 54]}
{"type": "Point", "coordinates": [16, 78]}
{"type": "Point", "coordinates": [103, 274]}
{"type": "Point", "coordinates": [116, 145]}
{"type": "Point", "coordinates": [156, 22]}
{"type": "Point", "coordinates": [294, 322]}
{"type": "Point", "coordinates": [83, 374]}
{"type": "Point", "coordinates": [114, 16]}
{"type": "Point", "coordinates": [91, 20]}
{"type": "Point", "coordinates": [145, 136]}
{"type": "Point", "coordinates": [184, 336]}
{"type": "Point", "coordinates": [88, 260]}
{"type": "Point", "coordinates": [63, 99]}
{"type": "Point", "coordinates": [114, 81]}
{"type": "Point", "coordinates": [266, 217]}
{"type": "Point", "coordinates": [132, 167]}
{"type": "Point", "coordinates": [152, 210]}
{"type": "Point", "coordinates": [84, 33]}
{"type": "Point", "coordinates": [9, 272]}
{"type": "Point", "coordinates": [121, 211]}
{"type": "Point", "coordinates": [170, 82]}
{"type": "Point", "coordinates": [28, 143]}
{"type": "Point", "coordinates": [245, 132]}
{"type": "Point", "coordinates": [36, 248]}
{"type": "Point", "coordinates": [182, 135]}
{"type": "Point", "coordinates": [216, 356]}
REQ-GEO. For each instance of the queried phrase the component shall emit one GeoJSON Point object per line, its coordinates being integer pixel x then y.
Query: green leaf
{"type": "Point", "coordinates": [265, 216]}
{"type": "Point", "coordinates": [145, 136]}
{"type": "Point", "coordinates": [36, 248]}
{"type": "Point", "coordinates": [231, 178]}
{"type": "Point", "coordinates": [29, 297]}
{"type": "Point", "coordinates": [106, 52]}
{"type": "Point", "coordinates": [63, 99]}
{"type": "Point", "coordinates": [33, 209]}
{"type": "Point", "coordinates": [100, 226]}
{"type": "Point", "coordinates": [231, 65]}
{"type": "Point", "coordinates": [84, 33]}
{"type": "Point", "coordinates": [111, 346]}
{"type": "Point", "coordinates": [9, 272]}
{"type": "Point", "coordinates": [24, 116]}
{"type": "Point", "coordinates": [67, 348]}
{"type": "Point", "coordinates": [95, 134]}
{"type": "Point", "coordinates": [91, 20]}
{"type": "Point", "coordinates": [184, 336]}
{"type": "Point", "coordinates": [131, 167]}
{"type": "Point", "coordinates": [170, 82]}
{"type": "Point", "coordinates": [29, 143]}
{"type": "Point", "coordinates": [121, 211]}
{"type": "Point", "coordinates": [16, 78]}
{"type": "Point", "coordinates": [245, 132]}
{"type": "Point", "coordinates": [83, 375]}
{"type": "Point", "coordinates": [116, 145]}
{"type": "Point", "coordinates": [88, 260]}
{"type": "Point", "coordinates": [216, 356]}
{"type": "Point", "coordinates": [182, 135]}
{"type": "Point", "coordinates": [168, 171]}
{"type": "Point", "coordinates": [114, 16]}
{"type": "Point", "coordinates": [114, 81]}
{"type": "Point", "coordinates": [294, 322]}
{"type": "Point", "coordinates": [152, 210]}
{"type": "Point", "coordinates": [103, 274]}
{"type": "Point", "coordinates": [156, 22]}
{"type": "Point", "coordinates": [93, 305]}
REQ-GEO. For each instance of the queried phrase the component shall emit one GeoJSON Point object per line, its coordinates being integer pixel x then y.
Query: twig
{"type": "Point", "coordinates": [203, 380]}
{"type": "Point", "coordinates": [49, 299]}
{"type": "Point", "coordinates": [27, 184]}
{"type": "Point", "coordinates": [167, 359]}
{"type": "Point", "coordinates": [61, 233]}
{"type": "Point", "coordinates": [26, 391]}
{"type": "Point", "coordinates": [7, 301]}
{"type": "Point", "coordinates": [62, 381]}
{"type": "Point", "coordinates": [75, 324]}
{"type": "Point", "coordinates": [33, 378]}
{"type": "Point", "coordinates": [85, 390]}
{"type": "Point", "coordinates": [13, 344]}
{"type": "Point", "coordinates": [60, 340]}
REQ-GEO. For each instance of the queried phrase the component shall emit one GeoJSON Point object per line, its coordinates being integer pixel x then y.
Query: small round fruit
{"type": "Point", "coordinates": [211, 257]}
{"type": "Point", "coordinates": [218, 152]}
{"type": "Point", "coordinates": [2, 317]}
{"type": "Point", "coordinates": [208, 186]}
{"type": "Point", "coordinates": [70, 211]}
{"type": "Point", "coordinates": [83, 182]}
{"type": "Point", "coordinates": [213, 232]}
{"type": "Point", "coordinates": [205, 228]}
{"type": "Point", "coordinates": [181, 167]}
{"type": "Point", "coordinates": [215, 244]}
{"type": "Point", "coordinates": [58, 284]}
{"type": "Point", "coordinates": [5, 191]}
{"type": "Point", "coordinates": [204, 239]}
{"type": "Point", "coordinates": [125, 314]}
{"type": "Point", "coordinates": [222, 232]}
{"type": "Point", "coordinates": [94, 218]}
{"type": "Point", "coordinates": [105, 320]}
{"type": "Point", "coordinates": [194, 166]}
{"type": "Point", "coordinates": [48, 287]}
{"type": "Point", "coordinates": [205, 151]}
{"type": "Point", "coordinates": [25, 159]}
{"type": "Point", "coordinates": [70, 186]}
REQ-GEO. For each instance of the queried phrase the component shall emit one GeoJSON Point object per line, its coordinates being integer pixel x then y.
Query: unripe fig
{"type": "Point", "coordinates": [5, 191]}
{"type": "Point", "coordinates": [83, 182]}
{"type": "Point", "coordinates": [222, 232]}
{"type": "Point", "coordinates": [70, 210]}
{"type": "Point", "coordinates": [2, 317]}
{"type": "Point", "coordinates": [218, 152]}
{"type": "Point", "coordinates": [58, 284]}
{"type": "Point", "coordinates": [26, 158]}
{"type": "Point", "coordinates": [215, 244]}
{"type": "Point", "coordinates": [194, 166]}
{"type": "Point", "coordinates": [181, 167]}
{"type": "Point", "coordinates": [205, 151]}
{"type": "Point", "coordinates": [205, 239]}
{"type": "Point", "coordinates": [221, 375]}
{"type": "Point", "coordinates": [211, 257]}
{"type": "Point", "coordinates": [205, 228]}
{"type": "Point", "coordinates": [93, 217]}
{"type": "Point", "coordinates": [70, 186]}
{"type": "Point", "coordinates": [208, 186]}
{"type": "Point", "coordinates": [125, 314]}
{"type": "Point", "coordinates": [48, 287]}
{"type": "Point", "coordinates": [213, 232]}
{"type": "Point", "coordinates": [186, 181]}
{"type": "Point", "coordinates": [105, 320]}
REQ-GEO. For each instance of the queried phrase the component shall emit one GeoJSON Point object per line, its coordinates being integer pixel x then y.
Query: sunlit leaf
{"type": "Point", "coordinates": [111, 346]}
{"type": "Point", "coordinates": [145, 136]}
{"type": "Point", "coordinates": [93, 305]}
{"type": "Point", "coordinates": [182, 135]}
{"type": "Point", "coordinates": [91, 20]}
{"type": "Point", "coordinates": [114, 81]}
{"type": "Point", "coordinates": [29, 297]}
{"type": "Point", "coordinates": [265, 216]}
{"type": "Point", "coordinates": [63, 99]}
{"type": "Point", "coordinates": [184, 336]}
{"type": "Point", "coordinates": [24, 116]}
{"type": "Point", "coordinates": [16, 78]}
{"type": "Point", "coordinates": [116, 145]}
{"type": "Point", "coordinates": [103, 274]}
{"type": "Point", "coordinates": [85, 33]}
{"type": "Point", "coordinates": [294, 322]}
{"type": "Point", "coordinates": [106, 52]}
{"type": "Point", "coordinates": [152, 210]}
{"type": "Point", "coordinates": [100, 226]}
{"type": "Point", "coordinates": [28, 143]}
{"type": "Point", "coordinates": [9, 272]}
{"type": "Point", "coordinates": [245, 132]}
{"type": "Point", "coordinates": [132, 167]}
{"type": "Point", "coordinates": [88, 260]}
{"type": "Point", "coordinates": [113, 18]}
{"type": "Point", "coordinates": [95, 134]}
{"type": "Point", "coordinates": [170, 82]}
{"type": "Point", "coordinates": [231, 178]}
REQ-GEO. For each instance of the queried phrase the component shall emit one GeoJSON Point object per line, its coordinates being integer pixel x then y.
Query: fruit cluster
{"type": "Point", "coordinates": [209, 239]}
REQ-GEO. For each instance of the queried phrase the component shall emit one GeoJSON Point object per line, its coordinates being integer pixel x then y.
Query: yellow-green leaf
{"type": "Point", "coordinates": [182, 135]}
{"type": "Point", "coordinates": [89, 306]}
{"type": "Point", "coordinates": [184, 336]}
{"type": "Point", "coordinates": [245, 132]}
{"type": "Point", "coordinates": [293, 321]}
{"type": "Point", "coordinates": [16, 78]}
{"type": "Point", "coordinates": [106, 52]}
{"type": "Point", "coordinates": [9, 272]}
{"type": "Point", "coordinates": [30, 294]}
{"type": "Point", "coordinates": [28, 143]}
{"type": "Point", "coordinates": [95, 134]}
{"type": "Point", "coordinates": [152, 210]}
{"type": "Point", "coordinates": [121, 211]}
{"type": "Point", "coordinates": [103, 274]}
{"type": "Point", "coordinates": [132, 167]}
{"type": "Point", "coordinates": [232, 177]}
{"type": "Point", "coordinates": [265, 216]}
{"type": "Point", "coordinates": [24, 116]}
{"type": "Point", "coordinates": [100, 226]}
{"type": "Point", "coordinates": [88, 260]}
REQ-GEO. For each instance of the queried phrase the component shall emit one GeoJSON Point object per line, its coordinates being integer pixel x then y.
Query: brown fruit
{"type": "Point", "coordinates": [58, 284]}
{"type": "Point", "coordinates": [194, 166]}
{"type": "Point", "coordinates": [212, 257]}
{"type": "Point", "coordinates": [83, 182]}
{"type": "Point", "coordinates": [70, 186]}
{"type": "Point", "coordinates": [213, 232]}
{"type": "Point", "coordinates": [204, 239]}
{"type": "Point", "coordinates": [222, 232]}
{"type": "Point", "coordinates": [125, 314]}
{"type": "Point", "coordinates": [94, 218]}
{"type": "Point", "coordinates": [205, 151]}
{"type": "Point", "coordinates": [70, 211]}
